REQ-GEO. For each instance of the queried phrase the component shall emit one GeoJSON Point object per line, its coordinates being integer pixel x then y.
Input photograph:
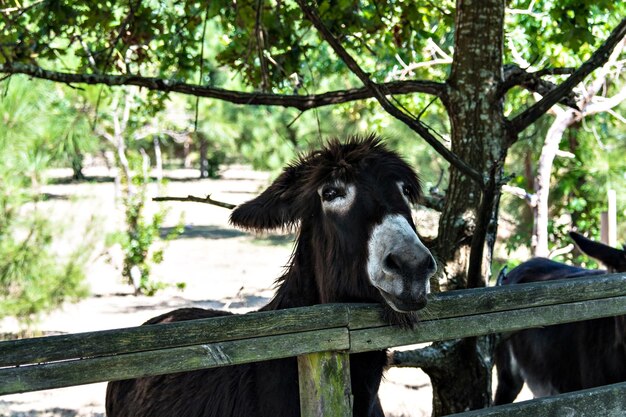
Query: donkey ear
{"type": "Point", "coordinates": [273, 208]}
{"type": "Point", "coordinates": [613, 258]}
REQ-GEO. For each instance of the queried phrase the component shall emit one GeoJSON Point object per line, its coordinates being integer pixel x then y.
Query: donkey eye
{"type": "Point", "coordinates": [408, 192]}
{"type": "Point", "coordinates": [330, 193]}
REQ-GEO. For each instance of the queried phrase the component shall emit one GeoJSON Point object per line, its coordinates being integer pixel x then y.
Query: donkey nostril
{"type": "Point", "coordinates": [392, 264]}
{"type": "Point", "coordinates": [432, 265]}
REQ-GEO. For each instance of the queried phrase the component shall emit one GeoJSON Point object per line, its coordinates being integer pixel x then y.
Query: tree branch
{"type": "Point", "coordinates": [150, 130]}
{"type": "Point", "coordinates": [300, 102]}
{"type": "Point", "coordinates": [106, 135]}
{"type": "Point", "coordinates": [519, 192]}
{"type": "Point", "coordinates": [433, 202]}
{"type": "Point", "coordinates": [599, 57]}
{"type": "Point", "coordinates": [432, 356]}
{"type": "Point", "coordinates": [380, 94]}
{"type": "Point", "coordinates": [532, 81]}
{"type": "Point", "coordinates": [605, 103]}
{"type": "Point", "coordinates": [561, 251]}
{"type": "Point", "coordinates": [205, 200]}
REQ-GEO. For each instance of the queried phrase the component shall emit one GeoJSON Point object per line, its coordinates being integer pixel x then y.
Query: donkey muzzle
{"type": "Point", "coordinates": [399, 265]}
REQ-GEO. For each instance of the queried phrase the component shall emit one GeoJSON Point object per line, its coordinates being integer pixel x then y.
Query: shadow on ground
{"type": "Point", "coordinates": [205, 232]}
{"type": "Point", "coordinates": [275, 240]}
{"type": "Point", "coordinates": [5, 407]}
{"type": "Point", "coordinates": [219, 232]}
{"type": "Point", "coordinates": [4, 336]}
{"type": "Point", "coordinates": [99, 179]}
{"type": "Point", "coordinates": [241, 301]}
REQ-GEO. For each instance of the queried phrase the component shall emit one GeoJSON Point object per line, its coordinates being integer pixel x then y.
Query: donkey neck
{"type": "Point", "coordinates": [322, 270]}
{"type": "Point", "coordinates": [297, 287]}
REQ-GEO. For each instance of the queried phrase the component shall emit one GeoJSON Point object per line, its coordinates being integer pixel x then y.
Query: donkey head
{"type": "Point", "coordinates": [356, 238]}
{"type": "Point", "coordinates": [614, 259]}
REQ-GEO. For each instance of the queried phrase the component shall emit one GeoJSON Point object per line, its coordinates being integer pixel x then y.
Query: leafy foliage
{"type": "Point", "coordinates": [559, 33]}
{"type": "Point", "coordinates": [267, 45]}
{"type": "Point", "coordinates": [140, 237]}
{"type": "Point", "coordinates": [33, 277]}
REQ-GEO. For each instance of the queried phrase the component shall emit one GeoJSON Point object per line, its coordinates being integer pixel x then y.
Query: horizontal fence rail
{"type": "Point", "coordinates": [82, 358]}
{"type": "Point", "coordinates": [606, 401]}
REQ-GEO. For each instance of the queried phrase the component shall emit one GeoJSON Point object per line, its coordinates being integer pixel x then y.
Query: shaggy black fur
{"type": "Point", "coordinates": [565, 357]}
{"type": "Point", "coordinates": [328, 265]}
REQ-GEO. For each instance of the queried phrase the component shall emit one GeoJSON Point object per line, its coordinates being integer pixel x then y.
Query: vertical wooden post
{"type": "Point", "coordinates": [608, 221]}
{"type": "Point", "coordinates": [325, 389]}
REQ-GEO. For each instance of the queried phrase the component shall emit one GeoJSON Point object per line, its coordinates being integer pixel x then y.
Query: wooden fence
{"type": "Point", "coordinates": [322, 337]}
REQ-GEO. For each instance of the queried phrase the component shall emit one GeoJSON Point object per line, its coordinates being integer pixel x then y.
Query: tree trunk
{"type": "Point", "coordinates": [187, 154]}
{"type": "Point", "coordinates": [454, 387]}
{"type": "Point", "coordinates": [565, 119]}
{"type": "Point", "coordinates": [77, 167]}
{"type": "Point", "coordinates": [203, 150]}
{"type": "Point", "coordinates": [539, 240]}
{"type": "Point", "coordinates": [468, 223]}
{"type": "Point", "coordinates": [158, 160]}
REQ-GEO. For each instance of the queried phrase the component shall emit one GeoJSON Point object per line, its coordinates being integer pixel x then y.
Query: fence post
{"type": "Point", "coordinates": [325, 388]}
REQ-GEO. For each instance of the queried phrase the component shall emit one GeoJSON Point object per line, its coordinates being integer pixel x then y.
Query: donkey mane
{"type": "Point", "coordinates": [298, 183]}
{"type": "Point", "coordinates": [355, 242]}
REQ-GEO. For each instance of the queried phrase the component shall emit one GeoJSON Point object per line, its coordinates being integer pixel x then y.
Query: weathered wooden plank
{"type": "Point", "coordinates": [230, 328]}
{"type": "Point", "coordinates": [156, 362]}
{"type": "Point", "coordinates": [480, 324]}
{"type": "Point", "coordinates": [324, 382]}
{"type": "Point", "coordinates": [510, 297]}
{"type": "Point", "coordinates": [607, 401]}
{"type": "Point", "coordinates": [160, 336]}
{"type": "Point", "coordinates": [450, 304]}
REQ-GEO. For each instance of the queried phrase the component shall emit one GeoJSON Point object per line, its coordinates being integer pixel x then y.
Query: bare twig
{"type": "Point", "coordinates": [599, 57]}
{"type": "Point", "coordinates": [527, 11]}
{"type": "Point", "coordinates": [519, 192]}
{"type": "Point", "coordinates": [300, 102]}
{"type": "Point", "coordinates": [437, 49]}
{"type": "Point", "coordinates": [617, 116]}
{"type": "Point", "coordinates": [438, 57]}
{"type": "Point", "coordinates": [205, 200]}
{"type": "Point", "coordinates": [150, 130]}
{"type": "Point", "coordinates": [561, 251]}
{"type": "Point", "coordinates": [260, 41]}
{"type": "Point", "coordinates": [564, 154]}
{"type": "Point", "coordinates": [380, 94]}
{"type": "Point", "coordinates": [407, 69]}
{"type": "Point", "coordinates": [10, 10]}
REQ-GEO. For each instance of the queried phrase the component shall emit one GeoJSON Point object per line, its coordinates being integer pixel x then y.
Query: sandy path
{"type": "Point", "coordinates": [224, 268]}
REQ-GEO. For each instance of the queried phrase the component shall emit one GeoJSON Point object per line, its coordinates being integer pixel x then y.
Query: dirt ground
{"type": "Point", "coordinates": [223, 268]}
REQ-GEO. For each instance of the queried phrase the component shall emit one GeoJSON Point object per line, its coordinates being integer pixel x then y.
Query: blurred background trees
{"type": "Point", "coordinates": [42, 127]}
